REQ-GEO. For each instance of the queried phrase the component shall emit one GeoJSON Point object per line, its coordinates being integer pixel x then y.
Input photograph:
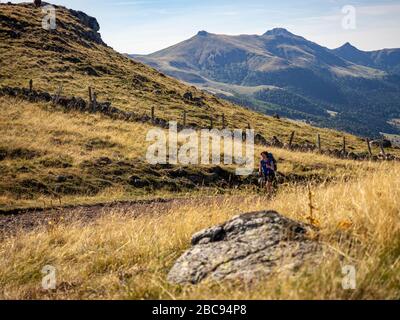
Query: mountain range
{"type": "Point", "coordinates": [283, 73]}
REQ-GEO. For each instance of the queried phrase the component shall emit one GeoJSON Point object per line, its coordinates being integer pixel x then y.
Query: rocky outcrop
{"type": "Point", "coordinates": [91, 23]}
{"type": "Point", "coordinates": [248, 247]}
{"type": "Point", "coordinates": [85, 30]}
{"type": "Point", "coordinates": [86, 20]}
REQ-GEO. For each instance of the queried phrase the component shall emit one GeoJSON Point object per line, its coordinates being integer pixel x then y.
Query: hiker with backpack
{"type": "Point", "coordinates": [267, 170]}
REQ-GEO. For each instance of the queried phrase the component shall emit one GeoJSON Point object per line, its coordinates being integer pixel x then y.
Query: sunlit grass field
{"type": "Point", "coordinates": [43, 144]}
{"type": "Point", "coordinates": [119, 257]}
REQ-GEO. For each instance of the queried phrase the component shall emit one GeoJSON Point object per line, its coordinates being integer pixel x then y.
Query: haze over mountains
{"type": "Point", "coordinates": [280, 72]}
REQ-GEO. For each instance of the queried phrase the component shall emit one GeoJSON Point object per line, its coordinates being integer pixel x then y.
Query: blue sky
{"type": "Point", "coordinates": [145, 26]}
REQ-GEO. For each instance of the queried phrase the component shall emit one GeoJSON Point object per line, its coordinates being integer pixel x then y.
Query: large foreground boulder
{"type": "Point", "coordinates": [248, 247]}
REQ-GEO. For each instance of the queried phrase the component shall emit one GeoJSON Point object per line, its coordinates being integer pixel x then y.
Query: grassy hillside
{"type": "Point", "coordinates": [50, 156]}
{"type": "Point", "coordinates": [122, 257]}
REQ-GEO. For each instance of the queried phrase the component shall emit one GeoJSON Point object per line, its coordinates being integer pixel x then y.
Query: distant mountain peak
{"type": "Point", "coordinates": [278, 32]}
{"type": "Point", "coordinates": [202, 33]}
{"type": "Point", "coordinates": [348, 46]}
{"type": "Point", "coordinates": [286, 73]}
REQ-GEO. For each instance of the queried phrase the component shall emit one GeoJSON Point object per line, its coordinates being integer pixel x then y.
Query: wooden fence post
{"type": "Point", "coordinates": [319, 143]}
{"type": "Point", "coordinates": [90, 96]}
{"type": "Point", "coordinates": [291, 139]}
{"type": "Point", "coordinates": [211, 123]}
{"type": "Point", "coordinates": [30, 85]}
{"type": "Point", "coordinates": [58, 94]}
{"type": "Point", "coordinates": [184, 118]}
{"type": "Point", "coordinates": [382, 148]}
{"type": "Point", "coordinates": [344, 144]}
{"type": "Point", "coordinates": [369, 147]}
{"type": "Point", "coordinates": [152, 114]}
{"type": "Point", "coordinates": [94, 101]}
{"type": "Point", "coordinates": [223, 121]}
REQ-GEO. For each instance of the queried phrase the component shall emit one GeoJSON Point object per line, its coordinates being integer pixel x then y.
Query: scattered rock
{"type": "Point", "coordinates": [385, 143]}
{"type": "Point", "coordinates": [97, 143]}
{"type": "Point", "coordinates": [89, 71]}
{"type": "Point", "coordinates": [248, 247]}
{"type": "Point", "coordinates": [352, 156]}
{"type": "Point", "coordinates": [74, 103]}
{"type": "Point", "coordinates": [69, 103]}
{"type": "Point", "coordinates": [276, 143]}
{"type": "Point", "coordinates": [259, 139]}
{"type": "Point", "coordinates": [71, 59]}
{"type": "Point", "coordinates": [24, 169]}
{"type": "Point", "coordinates": [61, 178]}
{"type": "Point", "coordinates": [188, 96]}
{"type": "Point", "coordinates": [137, 182]}
{"type": "Point", "coordinates": [198, 101]}
{"type": "Point", "coordinates": [18, 153]}
{"type": "Point", "coordinates": [138, 79]}
{"type": "Point", "coordinates": [103, 161]}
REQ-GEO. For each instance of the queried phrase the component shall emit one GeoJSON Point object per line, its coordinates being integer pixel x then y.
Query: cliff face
{"type": "Point", "coordinates": [86, 20]}
{"type": "Point", "coordinates": [89, 22]}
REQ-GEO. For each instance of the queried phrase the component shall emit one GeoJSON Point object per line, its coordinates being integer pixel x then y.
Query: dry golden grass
{"type": "Point", "coordinates": [37, 127]}
{"type": "Point", "coordinates": [62, 137]}
{"type": "Point", "coordinates": [40, 127]}
{"type": "Point", "coordinates": [57, 137]}
{"type": "Point", "coordinates": [119, 257]}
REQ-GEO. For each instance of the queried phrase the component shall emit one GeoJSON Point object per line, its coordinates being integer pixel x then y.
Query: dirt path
{"type": "Point", "coordinates": [25, 220]}
{"type": "Point", "coordinates": [16, 220]}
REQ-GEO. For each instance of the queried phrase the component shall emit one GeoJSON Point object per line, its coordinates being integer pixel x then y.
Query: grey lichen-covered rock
{"type": "Point", "coordinates": [247, 247]}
